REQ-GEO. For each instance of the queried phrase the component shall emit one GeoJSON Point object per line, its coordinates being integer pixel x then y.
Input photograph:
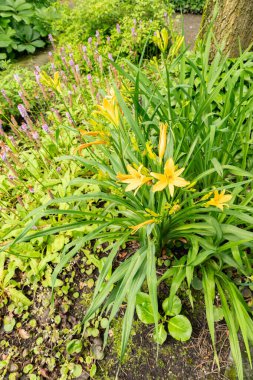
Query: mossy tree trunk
{"type": "Point", "coordinates": [233, 25]}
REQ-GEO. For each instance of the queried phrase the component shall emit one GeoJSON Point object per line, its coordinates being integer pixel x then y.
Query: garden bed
{"type": "Point", "coordinates": [36, 345]}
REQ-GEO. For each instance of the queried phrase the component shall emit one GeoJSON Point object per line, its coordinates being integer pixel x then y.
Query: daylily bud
{"type": "Point", "coordinates": [162, 140]}
{"type": "Point", "coordinates": [161, 39]}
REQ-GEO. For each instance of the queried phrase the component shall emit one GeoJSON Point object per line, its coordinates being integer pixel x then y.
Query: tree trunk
{"type": "Point", "coordinates": [233, 25]}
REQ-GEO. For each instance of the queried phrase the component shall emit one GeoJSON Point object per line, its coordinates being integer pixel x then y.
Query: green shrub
{"type": "Point", "coordinates": [188, 6]}
{"type": "Point", "coordinates": [23, 26]}
{"type": "Point", "coordinates": [116, 20]}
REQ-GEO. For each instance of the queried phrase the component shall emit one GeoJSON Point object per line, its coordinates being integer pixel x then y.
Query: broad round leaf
{"type": "Point", "coordinates": [175, 308]}
{"type": "Point", "coordinates": [145, 313]}
{"type": "Point", "coordinates": [161, 335]}
{"type": "Point", "coordinates": [180, 328]}
{"type": "Point", "coordinates": [74, 346]}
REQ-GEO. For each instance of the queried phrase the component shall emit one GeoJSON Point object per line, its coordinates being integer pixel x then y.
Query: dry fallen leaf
{"type": "Point", "coordinates": [23, 334]}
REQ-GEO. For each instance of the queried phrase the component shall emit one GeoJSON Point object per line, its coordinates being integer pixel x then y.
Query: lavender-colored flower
{"type": "Point", "coordinates": [3, 156]}
{"type": "Point", "coordinates": [50, 54]}
{"type": "Point", "coordinates": [53, 66]}
{"type": "Point", "coordinates": [16, 77]}
{"type": "Point", "coordinates": [97, 34]}
{"type": "Point", "coordinates": [133, 32]}
{"type": "Point", "coordinates": [37, 77]}
{"type": "Point", "coordinates": [71, 63]}
{"type": "Point", "coordinates": [108, 39]}
{"type": "Point", "coordinates": [50, 37]}
{"type": "Point", "coordinates": [77, 68]}
{"type": "Point", "coordinates": [90, 40]}
{"type": "Point", "coordinates": [110, 57]}
{"type": "Point", "coordinates": [45, 128]}
{"type": "Point", "coordinates": [69, 117]}
{"type": "Point", "coordinates": [58, 169]}
{"type": "Point", "coordinates": [22, 111]}
{"type": "Point", "coordinates": [11, 177]}
{"type": "Point", "coordinates": [84, 48]}
{"type": "Point", "coordinates": [31, 189]}
{"type": "Point", "coordinates": [118, 28]}
{"type": "Point", "coordinates": [35, 135]}
{"type": "Point", "coordinates": [89, 77]}
{"type": "Point", "coordinates": [24, 127]}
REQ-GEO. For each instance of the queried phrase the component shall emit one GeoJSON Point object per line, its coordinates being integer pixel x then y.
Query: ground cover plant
{"type": "Point", "coordinates": [157, 155]}
{"type": "Point", "coordinates": [24, 26]}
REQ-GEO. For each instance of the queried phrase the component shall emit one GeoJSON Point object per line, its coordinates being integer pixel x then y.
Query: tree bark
{"type": "Point", "coordinates": [233, 25]}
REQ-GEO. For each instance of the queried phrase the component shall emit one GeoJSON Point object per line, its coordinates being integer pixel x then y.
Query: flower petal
{"type": "Point", "coordinates": [159, 186]}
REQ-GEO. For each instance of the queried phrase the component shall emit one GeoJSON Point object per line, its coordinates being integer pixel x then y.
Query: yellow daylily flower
{"type": "Point", "coordinates": [170, 178]}
{"type": "Point", "coordinates": [138, 226]}
{"type": "Point", "coordinates": [47, 81]}
{"type": "Point", "coordinates": [109, 109]}
{"type": "Point", "coordinates": [219, 200]}
{"type": "Point", "coordinates": [134, 179]}
{"type": "Point", "coordinates": [162, 140]}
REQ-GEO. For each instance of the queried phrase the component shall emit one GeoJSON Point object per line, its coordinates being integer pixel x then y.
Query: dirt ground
{"type": "Point", "coordinates": [37, 343]}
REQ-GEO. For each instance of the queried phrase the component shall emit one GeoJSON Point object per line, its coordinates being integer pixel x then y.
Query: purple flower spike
{"type": "Point", "coordinates": [97, 34]}
{"type": "Point", "coordinates": [108, 39]}
{"type": "Point", "coordinates": [90, 40]}
{"type": "Point", "coordinates": [16, 77]}
{"type": "Point", "coordinates": [71, 63]}
{"type": "Point", "coordinates": [110, 57]}
{"type": "Point", "coordinates": [35, 135]}
{"type": "Point", "coordinates": [45, 128]}
{"type": "Point", "coordinates": [89, 77]}
{"type": "Point", "coordinates": [24, 127]}
{"type": "Point", "coordinates": [84, 49]}
{"type": "Point", "coordinates": [50, 54]}
{"type": "Point", "coordinates": [118, 28]}
{"type": "Point", "coordinates": [50, 37]}
{"type": "Point", "coordinates": [22, 111]}
{"type": "Point", "coordinates": [58, 169]}
{"type": "Point", "coordinates": [3, 156]}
